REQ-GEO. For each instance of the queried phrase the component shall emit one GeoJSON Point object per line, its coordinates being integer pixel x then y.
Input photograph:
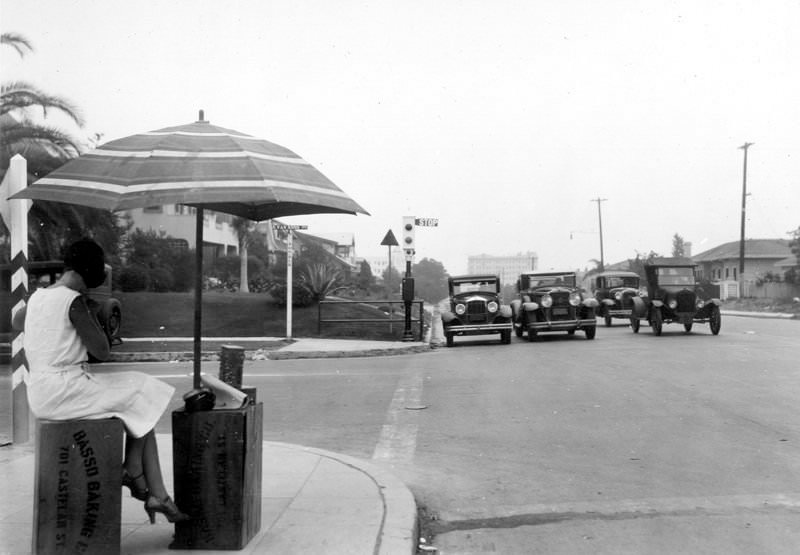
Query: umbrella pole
{"type": "Point", "coordinates": [198, 294]}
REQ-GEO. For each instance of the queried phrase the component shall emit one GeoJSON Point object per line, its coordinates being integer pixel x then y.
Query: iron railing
{"type": "Point", "coordinates": [394, 319]}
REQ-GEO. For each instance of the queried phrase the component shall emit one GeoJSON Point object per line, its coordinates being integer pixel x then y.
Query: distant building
{"type": "Point", "coordinates": [378, 264]}
{"type": "Point", "coordinates": [760, 256]}
{"type": "Point", "coordinates": [340, 246]}
{"type": "Point", "coordinates": [507, 267]}
{"type": "Point", "coordinates": [178, 221]}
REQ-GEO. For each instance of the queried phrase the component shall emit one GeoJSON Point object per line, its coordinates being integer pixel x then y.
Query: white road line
{"type": "Point", "coordinates": [398, 440]}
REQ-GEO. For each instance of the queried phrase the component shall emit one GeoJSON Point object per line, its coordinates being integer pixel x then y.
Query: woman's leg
{"type": "Point", "coordinates": [134, 447]}
{"type": "Point", "coordinates": [152, 467]}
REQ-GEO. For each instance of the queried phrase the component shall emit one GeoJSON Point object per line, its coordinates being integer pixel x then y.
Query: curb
{"type": "Point", "coordinates": [771, 315]}
{"type": "Point", "coordinates": [287, 355]}
{"type": "Point", "coordinates": [400, 526]}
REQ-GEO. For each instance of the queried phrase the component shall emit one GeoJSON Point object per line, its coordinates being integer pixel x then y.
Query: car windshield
{"type": "Point", "coordinates": [675, 276]}
{"type": "Point", "coordinates": [474, 286]}
{"type": "Point", "coordinates": [622, 281]}
{"type": "Point", "coordinates": [550, 281]}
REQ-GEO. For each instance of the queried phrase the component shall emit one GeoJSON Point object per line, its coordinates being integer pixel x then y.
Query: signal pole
{"type": "Point", "coordinates": [598, 200]}
{"type": "Point", "coordinates": [744, 147]}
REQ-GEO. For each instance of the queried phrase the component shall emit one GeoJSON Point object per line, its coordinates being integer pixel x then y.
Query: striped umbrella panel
{"type": "Point", "coordinates": [196, 164]}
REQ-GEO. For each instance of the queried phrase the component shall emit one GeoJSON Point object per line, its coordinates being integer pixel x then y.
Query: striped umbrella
{"type": "Point", "coordinates": [198, 165]}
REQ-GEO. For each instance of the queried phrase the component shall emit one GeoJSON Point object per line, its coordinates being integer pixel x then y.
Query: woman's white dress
{"type": "Point", "coordinates": [61, 386]}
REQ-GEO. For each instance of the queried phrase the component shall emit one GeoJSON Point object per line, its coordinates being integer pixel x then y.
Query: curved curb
{"type": "Point", "coordinates": [399, 529]}
{"type": "Point", "coordinates": [292, 354]}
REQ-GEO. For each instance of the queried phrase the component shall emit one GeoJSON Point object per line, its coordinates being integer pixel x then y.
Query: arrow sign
{"type": "Point", "coordinates": [287, 227]}
{"type": "Point", "coordinates": [427, 222]}
{"type": "Point", "coordinates": [389, 239]}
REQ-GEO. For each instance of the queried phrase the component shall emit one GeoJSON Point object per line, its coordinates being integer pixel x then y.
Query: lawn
{"type": "Point", "coordinates": [243, 315]}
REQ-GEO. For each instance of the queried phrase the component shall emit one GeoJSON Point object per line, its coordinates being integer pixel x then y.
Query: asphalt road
{"type": "Point", "coordinates": [624, 444]}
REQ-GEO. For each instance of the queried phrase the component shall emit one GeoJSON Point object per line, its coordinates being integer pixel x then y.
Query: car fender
{"type": "Point", "coordinates": [505, 311]}
{"type": "Point", "coordinates": [714, 301]}
{"type": "Point", "coordinates": [447, 316]}
{"type": "Point", "coordinates": [608, 302]}
{"type": "Point", "coordinates": [639, 307]}
{"type": "Point", "coordinates": [530, 306]}
{"type": "Point", "coordinates": [591, 303]}
{"type": "Point", "coordinates": [516, 304]}
{"type": "Point", "coordinates": [657, 303]}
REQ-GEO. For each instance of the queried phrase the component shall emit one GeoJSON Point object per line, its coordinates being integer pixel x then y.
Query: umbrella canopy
{"type": "Point", "coordinates": [199, 165]}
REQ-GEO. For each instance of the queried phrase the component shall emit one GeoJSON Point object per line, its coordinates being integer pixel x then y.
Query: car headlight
{"type": "Point", "coordinates": [673, 303]}
{"type": "Point", "coordinates": [547, 301]}
{"type": "Point", "coordinates": [460, 309]}
{"type": "Point", "coordinates": [700, 303]}
{"type": "Point", "coordinates": [492, 306]}
{"type": "Point", "coordinates": [575, 298]}
{"type": "Point", "coordinates": [618, 295]}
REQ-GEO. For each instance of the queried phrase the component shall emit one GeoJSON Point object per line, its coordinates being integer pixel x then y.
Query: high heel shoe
{"type": "Point", "coordinates": [135, 485]}
{"type": "Point", "coordinates": [164, 506]}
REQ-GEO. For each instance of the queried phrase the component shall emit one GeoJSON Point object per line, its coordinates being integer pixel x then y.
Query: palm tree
{"type": "Point", "coordinates": [23, 130]}
{"type": "Point", "coordinates": [244, 232]}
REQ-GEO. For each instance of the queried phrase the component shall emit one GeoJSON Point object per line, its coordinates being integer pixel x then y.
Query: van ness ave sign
{"type": "Point", "coordinates": [287, 227]}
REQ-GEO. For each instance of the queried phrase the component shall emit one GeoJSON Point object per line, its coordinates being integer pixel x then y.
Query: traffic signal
{"type": "Point", "coordinates": [408, 234]}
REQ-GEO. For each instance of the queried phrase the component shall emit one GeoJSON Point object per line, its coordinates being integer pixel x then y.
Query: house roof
{"type": "Point", "coordinates": [788, 262]}
{"type": "Point", "coordinates": [753, 248]}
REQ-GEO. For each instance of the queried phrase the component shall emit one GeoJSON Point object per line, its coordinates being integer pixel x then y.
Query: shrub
{"type": "Point", "coordinates": [300, 295]}
{"type": "Point", "coordinates": [161, 280]}
{"type": "Point", "coordinates": [134, 278]}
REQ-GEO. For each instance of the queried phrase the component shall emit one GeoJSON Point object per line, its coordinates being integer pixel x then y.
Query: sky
{"type": "Point", "coordinates": [502, 119]}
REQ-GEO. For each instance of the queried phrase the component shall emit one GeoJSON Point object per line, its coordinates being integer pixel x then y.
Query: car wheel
{"type": "Point", "coordinates": [590, 332]}
{"type": "Point", "coordinates": [687, 326]}
{"type": "Point", "coordinates": [608, 320]}
{"type": "Point", "coordinates": [505, 337]}
{"type": "Point", "coordinates": [715, 322]}
{"type": "Point", "coordinates": [635, 323]}
{"type": "Point", "coordinates": [656, 321]}
{"type": "Point", "coordinates": [449, 337]}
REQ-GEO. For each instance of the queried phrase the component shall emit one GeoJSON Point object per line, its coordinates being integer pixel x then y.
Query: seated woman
{"type": "Point", "coordinates": [61, 329]}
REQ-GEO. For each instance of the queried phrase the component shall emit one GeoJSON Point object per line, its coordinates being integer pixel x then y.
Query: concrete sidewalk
{"type": "Point", "coordinates": [313, 501]}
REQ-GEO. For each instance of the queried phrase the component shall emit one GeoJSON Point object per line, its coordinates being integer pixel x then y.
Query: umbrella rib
{"type": "Point", "coordinates": [161, 153]}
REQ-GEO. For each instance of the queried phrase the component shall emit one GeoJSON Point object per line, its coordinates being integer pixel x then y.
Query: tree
{"type": "Point", "coordinates": [365, 280]}
{"type": "Point", "coordinates": [430, 280]}
{"type": "Point", "coordinates": [24, 130]}
{"type": "Point", "coordinates": [391, 281]}
{"type": "Point", "coordinates": [678, 246]}
{"type": "Point", "coordinates": [244, 232]}
{"type": "Point", "coordinates": [637, 264]}
{"type": "Point", "coordinates": [792, 275]}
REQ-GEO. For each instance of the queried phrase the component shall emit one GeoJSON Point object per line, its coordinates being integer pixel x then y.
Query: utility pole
{"type": "Point", "coordinates": [744, 147]}
{"type": "Point", "coordinates": [598, 200]}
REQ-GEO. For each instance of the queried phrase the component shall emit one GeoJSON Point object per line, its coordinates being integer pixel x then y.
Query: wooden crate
{"type": "Point", "coordinates": [217, 471]}
{"type": "Point", "coordinates": [78, 478]}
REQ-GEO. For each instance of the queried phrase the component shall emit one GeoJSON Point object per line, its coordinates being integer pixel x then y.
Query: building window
{"type": "Point", "coordinates": [734, 273]}
{"type": "Point", "coordinates": [153, 209]}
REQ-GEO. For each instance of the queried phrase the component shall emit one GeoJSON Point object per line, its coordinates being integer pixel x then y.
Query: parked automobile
{"type": "Point", "coordinates": [552, 301]}
{"type": "Point", "coordinates": [674, 296]}
{"type": "Point", "coordinates": [475, 308]}
{"type": "Point", "coordinates": [44, 273]}
{"type": "Point", "coordinates": [614, 291]}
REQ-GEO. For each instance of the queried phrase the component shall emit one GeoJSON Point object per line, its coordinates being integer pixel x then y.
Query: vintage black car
{"type": "Point", "coordinates": [46, 272]}
{"type": "Point", "coordinates": [475, 308]}
{"type": "Point", "coordinates": [614, 291]}
{"type": "Point", "coordinates": [552, 301]}
{"type": "Point", "coordinates": [674, 296]}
